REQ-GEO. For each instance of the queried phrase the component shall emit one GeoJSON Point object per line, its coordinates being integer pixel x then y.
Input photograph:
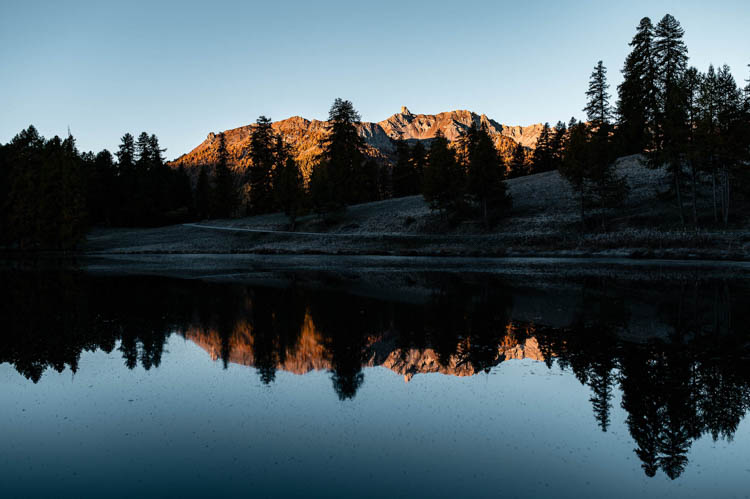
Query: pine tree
{"type": "Point", "coordinates": [102, 188]}
{"type": "Point", "coordinates": [203, 195]}
{"type": "Point", "coordinates": [485, 176]}
{"type": "Point", "coordinates": [444, 178]}
{"type": "Point", "coordinates": [670, 55]}
{"type": "Point", "coordinates": [557, 144]}
{"type": "Point", "coordinates": [143, 152]}
{"type": "Point", "coordinates": [418, 163]}
{"type": "Point", "coordinates": [636, 106]}
{"type": "Point", "coordinates": [606, 188]}
{"type": "Point", "coordinates": [732, 138]}
{"type": "Point", "coordinates": [542, 158]}
{"type": "Point", "coordinates": [405, 178]}
{"type": "Point", "coordinates": [588, 161]}
{"type": "Point", "coordinates": [262, 154]}
{"type": "Point", "coordinates": [73, 220]}
{"type": "Point", "coordinates": [46, 192]}
{"type": "Point", "coordinates": [517, 166]}
{"type": "Point", "coordinates": [597, 109]}
{"type": "Point", "coordinates": [576, 163]}
{"type": "Point", "coordinates": [225, 195]}
{"type": "Point", "coordinates": [289, 190]}
{"type": "Point", "coordinates": [155, 152]}
{"type": "Point", "coordinates": [337, 177]}
{"type": "Point", "coordinates": [370, 181]}
{"type": "Point", "coordinates": [126, 153]}
{"type": "Point", "coordinates": [691, 84]}
{"type": "Point", "coordinates": [184, 192]}
{"type": "Point", "coordinates": [24, 155]}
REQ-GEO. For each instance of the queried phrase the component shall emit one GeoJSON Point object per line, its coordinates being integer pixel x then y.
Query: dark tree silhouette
{"type": "Point", "coordinates": [126, 152]}
{"type": "Point", "coordinates": [143, 152]}
{"type": "Point", "coordinates": [517, 166]}
{"type": "Point", "coordinates": [486, 176]}
{"type": "Point", "coordinates": [260, 173]}
{"type": "Point", "coordinates": [636, 105]}
{"type": "Point", "coordinates": [444, 178]}
{"type": "Point", "coordinates": [606, 188]}
{"type": "Point", "coordinates": [557, 143]}
{"type": "Point", "coordinates": [418, 161]}
{"type": "Point", "coordinates": [289, 190]}
{"type": "Point", "coordinates": [224, 192]}
{"type": "Point", "coordinates": [543, 157]}
{"type": "Point", "coordinates": [670, 55]}
{"type": "Point", "coordinates": [337, 178]}
{"type": "Point", "coordinates": [203, 194]}
{"type": "Point", "coordinates": [405, 177]}
{"type": "Point", "coordinates": [576, 162]}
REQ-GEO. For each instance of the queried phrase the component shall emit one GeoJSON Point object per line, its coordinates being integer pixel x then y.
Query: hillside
{"type": "Point", "coordinates": [304, 136]}
{"type": "Point", "coordinates": [544, 221]}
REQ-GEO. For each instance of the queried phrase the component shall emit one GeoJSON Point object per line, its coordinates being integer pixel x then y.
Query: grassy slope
{"type": "Point", "coordinates": [544, 221]}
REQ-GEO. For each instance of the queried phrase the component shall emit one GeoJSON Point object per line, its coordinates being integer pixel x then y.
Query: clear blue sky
{"type": "Point", "coordinates": [183, 69]}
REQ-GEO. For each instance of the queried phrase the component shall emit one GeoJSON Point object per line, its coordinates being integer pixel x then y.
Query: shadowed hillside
{"type": "Point", "coordinates": [544, 221]}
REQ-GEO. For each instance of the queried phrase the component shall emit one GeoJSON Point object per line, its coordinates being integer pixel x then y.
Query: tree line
{"type": "Point", "coordinates": [51, 193]}
{"type": "Point", "coordinates": [693, 126]}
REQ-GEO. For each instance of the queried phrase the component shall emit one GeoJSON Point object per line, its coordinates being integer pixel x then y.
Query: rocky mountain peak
{"type": "Point", "coordinates": [405, 111]}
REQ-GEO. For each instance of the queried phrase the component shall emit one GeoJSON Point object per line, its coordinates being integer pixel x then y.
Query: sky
{"type": "Point", "coordinates": [181, 69]}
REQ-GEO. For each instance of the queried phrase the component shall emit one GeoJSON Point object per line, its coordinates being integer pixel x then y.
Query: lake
{"type": "Point", "coordinates": [371, 377]}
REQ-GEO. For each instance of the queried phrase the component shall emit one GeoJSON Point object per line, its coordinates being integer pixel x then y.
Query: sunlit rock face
{"type": "Point", "coordinates": [311, 352]}
{"type": "Point", "coordinates": [304, 136]}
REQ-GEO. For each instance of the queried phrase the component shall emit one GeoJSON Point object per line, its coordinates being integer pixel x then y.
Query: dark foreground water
{"type": "Point", "coordinates": [408, 383]}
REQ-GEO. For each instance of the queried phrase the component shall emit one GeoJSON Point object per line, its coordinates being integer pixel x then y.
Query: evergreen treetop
{"type": "Point", "coordinates": [598, 110]}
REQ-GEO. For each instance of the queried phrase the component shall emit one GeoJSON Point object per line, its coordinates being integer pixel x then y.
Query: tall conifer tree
{"type": "Point", "coordinates": [225, 195]}
{"type": "Point", "coordinates": [517, 166]}
{"type": "Point", "coordinates": [337, 178]}
{"type": "Point", "coordinates": [636, 105]}
{"type": "Point", "coordinates": [444, 178]}
{"type": "Point", "coordinates": [486, 176]}
{"type": "Point", "coordinates": [262, 154]}
{"type": "Point", "coordinates": [670, 55]}
{"type": "Point", "coordinates": [542, 159]}
{"type": "Point", "coordinates": [404, 177]}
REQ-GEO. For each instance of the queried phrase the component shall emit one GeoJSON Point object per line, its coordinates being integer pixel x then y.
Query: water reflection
{"type": "Point", "coordinates": [680, 361]}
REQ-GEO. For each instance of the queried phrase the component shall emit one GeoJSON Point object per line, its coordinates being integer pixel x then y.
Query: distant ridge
{"type": "Point", "coordinates": [304, 136]}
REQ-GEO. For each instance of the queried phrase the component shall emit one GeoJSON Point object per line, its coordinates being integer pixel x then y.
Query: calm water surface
{"type": "Point", "coordinates": [406, 384]}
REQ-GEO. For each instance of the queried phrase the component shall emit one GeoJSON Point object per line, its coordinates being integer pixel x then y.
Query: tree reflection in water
{"type": "Point", "coordinates": [689, 379]}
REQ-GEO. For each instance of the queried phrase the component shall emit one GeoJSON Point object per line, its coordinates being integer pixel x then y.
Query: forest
{"type": "Point", "coordinates": [693, 125]}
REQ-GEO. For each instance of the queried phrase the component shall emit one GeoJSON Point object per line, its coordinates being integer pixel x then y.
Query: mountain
{"type": "Point", "coordinates": [304, 136]}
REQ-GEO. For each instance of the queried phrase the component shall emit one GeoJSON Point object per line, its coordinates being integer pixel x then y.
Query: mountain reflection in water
{"type": "Point", "coordinates": [677, 351]}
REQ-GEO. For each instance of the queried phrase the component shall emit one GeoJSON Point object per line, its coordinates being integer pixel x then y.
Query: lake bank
{"type": "Point", "coordinates": [215, 238]}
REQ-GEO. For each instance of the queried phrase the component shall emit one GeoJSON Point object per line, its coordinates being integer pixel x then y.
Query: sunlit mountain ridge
{"type": "Point", "coordinates": [304, 136]}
